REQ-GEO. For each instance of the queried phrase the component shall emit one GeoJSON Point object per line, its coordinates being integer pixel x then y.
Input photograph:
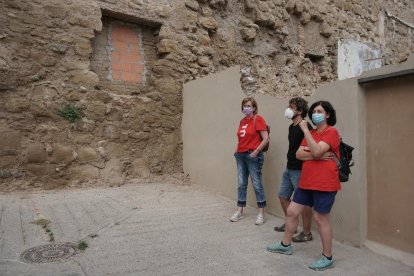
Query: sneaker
{"type": "Point", "coordinates": [236, 216]}
{"type": "Point", "coordinates": [302, 237]}
{"type": "Point", "coordinates": [259, 219]}
{"type": "Point", "coordinates": [279, 248]}
{"type": "Point", "coordinates": [281, 228]}
{"type": "Point", "coordinates": [321, 264]}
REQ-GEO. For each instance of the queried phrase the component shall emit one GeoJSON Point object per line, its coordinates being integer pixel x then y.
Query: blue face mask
{"type": "Point", "coordinates": [318, 118]}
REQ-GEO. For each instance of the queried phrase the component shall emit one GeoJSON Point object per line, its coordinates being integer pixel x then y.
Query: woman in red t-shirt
{"type": "Point", "coordinates": [253, 137]}
{"type": "Point", "coordinates": [319, 181]}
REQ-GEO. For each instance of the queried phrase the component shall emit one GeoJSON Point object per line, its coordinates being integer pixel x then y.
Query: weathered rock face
{"type": "Point", "coordinates": [119, 65]}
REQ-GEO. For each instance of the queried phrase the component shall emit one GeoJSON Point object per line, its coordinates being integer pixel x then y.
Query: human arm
{"type": "Point", "coordinates": [265, 139]}
{"type": "Point", "coordinates": [261, 127]}
{"type": "Point", "coordinates": [304, 154]}
{"type": "Point", "coordinates": [314, 150]}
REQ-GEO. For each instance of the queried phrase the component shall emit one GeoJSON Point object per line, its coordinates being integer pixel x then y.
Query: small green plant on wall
{"type": "Point", "coordinates": [70, 113]}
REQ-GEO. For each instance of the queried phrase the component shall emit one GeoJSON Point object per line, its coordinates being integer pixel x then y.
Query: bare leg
{"type": "Point", "coordinates": [307, 219]}
{"type": "Point", "coordinates": [240, 209]}
{"type": "Point", "coordinates": [261, 211]}
{"type": "Point", "coordinates": [292, 220]}
{"type": "Point", "coordinates": [285, 204]}
{"type": "Point", "coordinates": [325, 230]}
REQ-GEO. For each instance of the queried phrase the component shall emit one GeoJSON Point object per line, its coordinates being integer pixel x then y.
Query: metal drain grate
{"type": "Point", "coordinates": [48, 253]}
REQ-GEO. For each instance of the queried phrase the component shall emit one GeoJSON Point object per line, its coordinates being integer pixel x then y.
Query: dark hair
{"type": "Point", "coordinates": [254, 104]}
{"type": "Point", "coordinates": [328, 109]}
{"type": "Point", "coordinates": [301, 105]}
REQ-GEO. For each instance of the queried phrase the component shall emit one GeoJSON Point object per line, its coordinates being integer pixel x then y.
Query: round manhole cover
{"type": "Point", "coordinates": [48, 253]}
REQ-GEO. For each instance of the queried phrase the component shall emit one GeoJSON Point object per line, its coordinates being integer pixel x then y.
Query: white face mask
{"type": "Point", "coordinates": [289, 113]}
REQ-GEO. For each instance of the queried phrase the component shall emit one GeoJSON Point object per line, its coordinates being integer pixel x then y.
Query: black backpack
{"type": "Point", "coordinates": [265, 148]}
{"type": "Point", "coordinates": [345, 162]}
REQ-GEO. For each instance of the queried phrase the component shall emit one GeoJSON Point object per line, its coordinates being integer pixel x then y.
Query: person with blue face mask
{"type": "Point", "coordinates": [319, 181]}
{"type": "Point", "coordinates": [252, 138]}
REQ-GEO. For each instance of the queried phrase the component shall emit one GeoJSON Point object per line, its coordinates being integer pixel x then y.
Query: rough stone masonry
{"type": "Point", "coordinates": [91, 91]}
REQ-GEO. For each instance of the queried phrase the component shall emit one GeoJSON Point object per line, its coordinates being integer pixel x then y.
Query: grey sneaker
{"type": "Point", "coordinates": [259, 219]}
{"type": "Point", "coordinates": [280, 228]}
{"type": "Point", "coordinates": [279, 248]}
{"type": "Point", "coordinates": [302, 237]}
{"type": "Point", "coordinates": [236, 216]}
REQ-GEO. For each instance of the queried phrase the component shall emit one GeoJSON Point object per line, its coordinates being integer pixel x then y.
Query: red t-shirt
{"type": "Point", "coordinates": [322, 175]}
{"type": "Point", "coordinates": [248, 133]}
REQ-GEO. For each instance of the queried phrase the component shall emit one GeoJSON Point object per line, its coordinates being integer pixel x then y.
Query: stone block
{"type": "Point", "coordinates": [85, 78]}
{"type": "Point", "coordinates": [41, 169]}
{"type": "Point", "coordinates": [209, 23]}
{"type": "Point", "coordinates": [116, 150]}
{"type": "Point", "coordinates": [36, 153]}
{"type": "Point", "coordinates": [9, 142]}
{"type": "Point", "coordinates": [314, 42]}
{"type": "Point", "coordinates": [113, 173]}
{"type": "Point", "coordinates": [83, 48]}
{"type": "Point", "coordinates": [16, 104]}
{"type": "Point", "coordinates": [166, 46]}
{"type": "Point", "coordinates": [111, 132]}
{"type": "Point", "coordinates": [248, 34]}
{"type": "Point", "coordinates": [62, 154]}
{"type": "Point", "coordinates": [87, 154]}
{"type": "Point", "coordinates": [166, 32]}
{"type": "Point", "coordinates": [139, 168]}
{"type": "Point", "coordinates": [96, 111]}
{"type": "Point", "coordinates": [8, 162]}
{"type": "Point", "coordinates": [325, 30]}
{"type": "Point", "coordinates": [264, 19]}
{"type": "Point", "coordinates": [84, 173]}
{"type": "Point", "coordinates": [192, 4]}
{"type": "Point", "coordinates": [139, 136]}
{"type": "Point", "coordinates": [83, 139]}
{"type": "Point", "coordinates": [204, 61]}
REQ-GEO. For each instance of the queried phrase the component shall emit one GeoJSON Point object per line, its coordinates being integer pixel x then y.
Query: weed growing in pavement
{"type": "Point", "coordinates": [44, 223]}
{"type": "Point", "coordinates": [82, 245]}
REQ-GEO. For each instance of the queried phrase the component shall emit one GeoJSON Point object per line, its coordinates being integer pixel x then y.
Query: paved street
{"type": "Point", "coordinates": [159, 229]}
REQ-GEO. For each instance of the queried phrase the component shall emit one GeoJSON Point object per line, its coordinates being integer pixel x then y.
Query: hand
{"type": "Point", "coordinates": [327, 156]}
{"type": "Point", "coordinates": [303, 124]}
{"type": "Point", "coordinates": [254, 154]}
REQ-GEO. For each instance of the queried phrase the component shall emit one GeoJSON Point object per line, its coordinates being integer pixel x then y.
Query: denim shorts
{"type": "Point", "coordinates": [321, 202]}
{"type": "Point", "coordinates": [289, 183]}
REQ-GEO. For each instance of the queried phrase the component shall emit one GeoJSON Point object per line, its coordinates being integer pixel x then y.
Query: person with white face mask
{"type": "Point", "coordinates": [296, 111]}
{"type": "Point", "coordinates": [252, 138]}
{"type": "Point", "coordinates": [318, 184]}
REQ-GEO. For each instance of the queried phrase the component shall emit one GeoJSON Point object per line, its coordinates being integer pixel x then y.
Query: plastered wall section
{"type": "Point", "coordinates": [210, 121]}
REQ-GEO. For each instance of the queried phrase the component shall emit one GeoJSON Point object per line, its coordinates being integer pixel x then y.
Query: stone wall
{"type": "Point", "coordinates": [56, 53]}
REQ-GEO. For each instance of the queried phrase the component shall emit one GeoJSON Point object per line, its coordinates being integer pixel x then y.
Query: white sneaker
{"type": "Point", "coordinates": [259, 219]}
{"type": "Point", "coordinates": [236, 216]}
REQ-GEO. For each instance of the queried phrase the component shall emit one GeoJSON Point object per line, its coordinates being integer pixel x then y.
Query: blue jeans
{"type": "Point", "coordinates": [289, 183]}
{"type": "Point", "coordinates": [247, 165]}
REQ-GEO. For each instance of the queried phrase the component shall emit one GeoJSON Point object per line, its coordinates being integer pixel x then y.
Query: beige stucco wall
{"type": "Point", "coordinates": [390, 158]}
{"type": "Point", "coordinates": [210, 120]}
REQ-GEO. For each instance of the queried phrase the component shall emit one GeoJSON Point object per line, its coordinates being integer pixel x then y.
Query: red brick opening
{"type": "Point", "coordinates": [123, 56]}
{"type": "Point", "coordinates": [127, 63]}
